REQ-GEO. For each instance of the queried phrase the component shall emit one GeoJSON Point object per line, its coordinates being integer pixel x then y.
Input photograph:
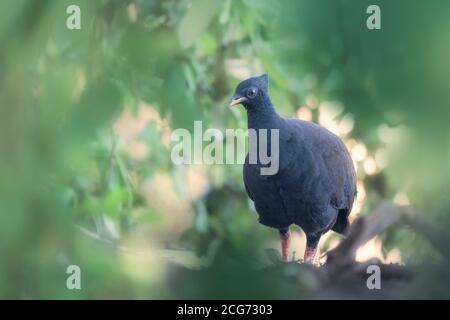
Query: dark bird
{"type": "Point", "coordinates": [315, 184]}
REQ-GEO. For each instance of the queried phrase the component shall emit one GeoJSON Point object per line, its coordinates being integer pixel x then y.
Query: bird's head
{"type": "Point", "coordinates": [252, 92]}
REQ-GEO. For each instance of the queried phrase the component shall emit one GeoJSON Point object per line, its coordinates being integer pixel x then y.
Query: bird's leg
{"type": "Point", "coordinates": [310, 254]}
{"type": "Point", "coordinates": [285, 237]}
{"type": "Point", "coordinates": [311, 247]}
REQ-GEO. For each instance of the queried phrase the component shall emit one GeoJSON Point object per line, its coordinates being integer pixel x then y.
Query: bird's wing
{"type": "Point", "coordinates": [342, 173]}
{"type": "Point", "coordinates": [317, 167]}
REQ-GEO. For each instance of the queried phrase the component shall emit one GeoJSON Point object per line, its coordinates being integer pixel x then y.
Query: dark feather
{"type": "Point", "coordinates": [316, 183]}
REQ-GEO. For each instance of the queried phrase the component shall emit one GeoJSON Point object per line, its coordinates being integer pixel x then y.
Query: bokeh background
{"type": "Point", "coordinates": [86, 117]}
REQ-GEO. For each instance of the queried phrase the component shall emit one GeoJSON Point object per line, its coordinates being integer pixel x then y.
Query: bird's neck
{"type": "Point", "coordinates": [263, 117]}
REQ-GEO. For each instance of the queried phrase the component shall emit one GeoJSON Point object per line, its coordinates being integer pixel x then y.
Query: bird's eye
{"type": "Point", "coordinates": [251, 93]}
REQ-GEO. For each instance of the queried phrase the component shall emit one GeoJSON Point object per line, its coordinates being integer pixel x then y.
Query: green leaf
{"type": "Point", "coordinates": [273, 255]}
{"type": "Point", "coordinates": [196, 20]}
{"type": "Point", "coordinates": [201, 219]}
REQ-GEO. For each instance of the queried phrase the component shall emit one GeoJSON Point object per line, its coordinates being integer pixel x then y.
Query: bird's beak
{"type": "Point", "coordinates": [236, 101]}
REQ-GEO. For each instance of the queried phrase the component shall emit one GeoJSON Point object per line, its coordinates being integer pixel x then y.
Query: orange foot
{"type": "Point", "coordinates": [285, 241]}
{"type": "Point", "coordinates": [310, 254]}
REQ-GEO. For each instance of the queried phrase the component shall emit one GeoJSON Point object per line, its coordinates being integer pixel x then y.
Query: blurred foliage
{"type": "Point", "coordinates": [71, 192]}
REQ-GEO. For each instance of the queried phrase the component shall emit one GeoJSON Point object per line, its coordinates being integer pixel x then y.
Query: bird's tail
{"type": "Point", "coordinates": [341, 224]}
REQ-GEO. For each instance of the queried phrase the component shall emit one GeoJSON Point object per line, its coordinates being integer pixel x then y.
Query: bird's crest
{"type": "Point", "coordinates": [262, 82]}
